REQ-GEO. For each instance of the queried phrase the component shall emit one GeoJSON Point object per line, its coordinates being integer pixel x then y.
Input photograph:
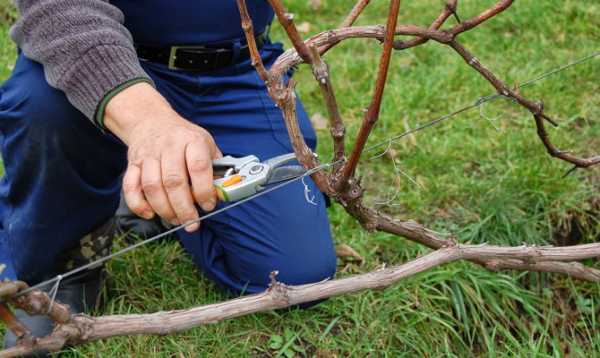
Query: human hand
{"type": "Point", "coordinates": [169, 158]}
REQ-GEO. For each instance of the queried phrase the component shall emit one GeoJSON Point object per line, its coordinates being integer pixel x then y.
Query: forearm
{"type": "Point", "coordinates": [87, 53]}
{"type": "Point", "coordinates": [84, 48]}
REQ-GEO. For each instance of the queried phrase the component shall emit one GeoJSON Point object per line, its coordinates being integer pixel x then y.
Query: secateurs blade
{"type": "Point", "coordinates": [246, 176]}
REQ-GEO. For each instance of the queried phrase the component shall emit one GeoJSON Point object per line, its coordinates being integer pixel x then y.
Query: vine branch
{"type": "Point", "coordinates": [372, 113]}
{"type": "Point", "coordinates": [79, 329]}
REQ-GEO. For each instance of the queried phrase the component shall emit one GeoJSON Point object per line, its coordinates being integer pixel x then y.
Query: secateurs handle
{"type": "Point", "coordinates": [239, 178]}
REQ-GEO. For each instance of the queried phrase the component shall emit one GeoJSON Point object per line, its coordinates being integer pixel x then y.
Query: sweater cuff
{"type": "Point", "coordinates": [99, 116]}
{"type": "Point", "coordinates": [97, 73]}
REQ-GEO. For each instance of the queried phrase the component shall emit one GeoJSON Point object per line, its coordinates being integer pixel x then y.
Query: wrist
{"type": "Point", "coordinates": [132, 108]}
{"type": "Point", "coordinates": [101, 109]}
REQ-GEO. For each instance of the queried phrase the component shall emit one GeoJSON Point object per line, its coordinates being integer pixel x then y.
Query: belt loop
{"type": "Point", "coordinates": [236, 51]}
{"type": "Point", "coordinates": [235, 55]}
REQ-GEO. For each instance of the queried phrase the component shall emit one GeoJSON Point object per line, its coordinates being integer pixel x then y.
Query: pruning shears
{"type": "Point", "coordinates": [239, 178]}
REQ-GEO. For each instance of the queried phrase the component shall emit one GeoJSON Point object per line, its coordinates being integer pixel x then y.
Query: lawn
{"type": "Point", "coordinates": [483, 175]}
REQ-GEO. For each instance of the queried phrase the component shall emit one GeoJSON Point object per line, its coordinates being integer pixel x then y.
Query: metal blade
{"type": "Point", "coordinates": [284, 173]}
{"type": "Point", "coordinates": [280, 160]}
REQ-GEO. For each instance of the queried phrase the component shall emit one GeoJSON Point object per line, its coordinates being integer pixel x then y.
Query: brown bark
{"type": "Point", "coordinates": [286, 20]}
{"type": "Point", "coordinates": [79, 329]}
{"type": "Point", "coordinates": [336, 124]}
{"type": "Point", "coordinates": [374, 109]}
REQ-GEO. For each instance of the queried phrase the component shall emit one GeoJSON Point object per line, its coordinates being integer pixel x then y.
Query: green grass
{"type": "Point", "coordinates": [482, 183]}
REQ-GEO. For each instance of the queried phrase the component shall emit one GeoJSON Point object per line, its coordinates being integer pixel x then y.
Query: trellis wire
{"type": "Point", "coordinates": [95, 263]}
{"type": "Point", "coordinates": [480, 101]}
{"type": "Point", "coordinates": [58, 278]}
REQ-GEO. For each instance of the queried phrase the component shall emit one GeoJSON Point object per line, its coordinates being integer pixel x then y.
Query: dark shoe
{"type": "Point", "coordinates": [81, 293]}
{"type": "Point", "coordinates": [92, 247]}
{"type": "Point", "coordinates": [134, 226]}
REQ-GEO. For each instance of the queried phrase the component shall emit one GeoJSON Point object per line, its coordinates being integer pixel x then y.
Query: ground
{"type": "Point", "coordinates": [484, 176]}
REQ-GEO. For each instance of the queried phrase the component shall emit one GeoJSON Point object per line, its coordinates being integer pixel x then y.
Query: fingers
{"type": "Point", "coordinates": [156, 196]}
{"type": "Point", "coordinates": [217, 153]}
{"type": "Point", "coordinates": [176, 183]}
{"type": "Point", "coordinates": [172, 172]}
{"type": "Point", "coordinates": [132, 190]}
{"type": "Point", "coordinates": [199, 166]}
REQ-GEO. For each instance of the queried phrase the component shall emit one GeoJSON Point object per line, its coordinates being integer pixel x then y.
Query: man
{"type": "Point", "coordinates": [101, 88]}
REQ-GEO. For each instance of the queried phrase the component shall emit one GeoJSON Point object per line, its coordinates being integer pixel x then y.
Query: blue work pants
{"type": "Point", "coordinates": [62, 178]}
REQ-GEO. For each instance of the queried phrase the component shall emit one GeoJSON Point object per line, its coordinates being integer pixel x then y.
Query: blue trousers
{"type": "Point", "coordinates": [62, 179]}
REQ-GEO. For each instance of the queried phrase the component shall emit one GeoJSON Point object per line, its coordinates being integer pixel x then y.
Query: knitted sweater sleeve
{"type": "Point", "coordinates": [83, 46]}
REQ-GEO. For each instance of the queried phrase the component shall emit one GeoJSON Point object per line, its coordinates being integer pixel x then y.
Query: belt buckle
{"type": "Point", "coordinates": [173, 54]}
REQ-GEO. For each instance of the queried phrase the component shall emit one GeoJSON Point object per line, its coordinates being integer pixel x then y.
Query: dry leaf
{"type": "Point", "coordinates": [319, 121]}
{"type": "Point", "coordinates": [345, 252]}
{"type": "Point", "coordinates": [316, 4]}
{"type": "Point", "coordinates": [349, 268]}
{"type": "Point", "coordinates": [391, 154]}
{"type": "Point", "coordinates": [411, 137]}
{"type": "Point", "coordinates": [325, 353]}
{"type": "Point", "coordinates": [304, 27]}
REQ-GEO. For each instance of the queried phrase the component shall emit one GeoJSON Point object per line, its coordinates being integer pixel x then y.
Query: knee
{"type": "Point", "coordinates": [299, 269]}
{"type": "Point", "coordinates": [248, 270]}
{"type": "Point", "coordinates": [48, 115]}
{"type": "Point", "coordinates": [306, 266]}
{"type": "Point", "coordinates": [32, 106]}
{"type": "Point", "coordinates": [47, 136]}
{"type": "Point", "coordinates": [295, 242]}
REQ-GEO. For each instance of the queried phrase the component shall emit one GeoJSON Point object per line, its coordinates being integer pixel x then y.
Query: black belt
{"type": "Point", "coordinates": [196, 58]}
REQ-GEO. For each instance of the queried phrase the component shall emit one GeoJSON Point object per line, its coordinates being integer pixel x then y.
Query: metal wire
{"type": "Point", "coordinates": [58, 278]}
{"type": "Point", "coordinates": [480, 101]}
{"type": "Point", "coordinates": [560, 69]}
